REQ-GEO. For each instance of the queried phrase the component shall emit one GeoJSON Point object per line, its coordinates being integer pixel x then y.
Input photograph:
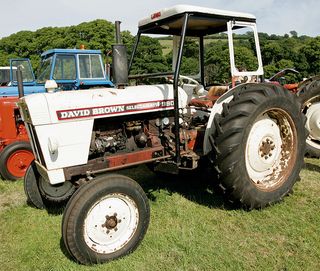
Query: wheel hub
{"type": "Point", "coordinates": [263, 147]}
{"type": "Point", "coordinates": [110, 223]}
{"type": "Point", "coordinates": [18, 162]}
{"type": "Point", "coordinates": [266, 148]}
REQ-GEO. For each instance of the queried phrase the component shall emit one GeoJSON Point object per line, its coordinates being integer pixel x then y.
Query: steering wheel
{"type": "Point", "coordinates": [187, 80]}
{"type": "Point", "coordinates": [183, 79]}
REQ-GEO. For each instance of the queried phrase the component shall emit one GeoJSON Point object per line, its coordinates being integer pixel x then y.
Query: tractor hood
{"type": "Point", "coordinates": [12, 91]}
{"type": "Point", "coordinates": [58, 107]}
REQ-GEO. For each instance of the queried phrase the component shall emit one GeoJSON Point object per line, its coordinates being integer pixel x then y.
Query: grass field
{"type": "Point", "coordinates": [191, 229]}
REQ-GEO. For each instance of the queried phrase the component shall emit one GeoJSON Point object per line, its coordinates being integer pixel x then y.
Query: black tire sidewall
{"type": "Point", "coordinates": [31, 187]}
{"type": "Point", "coordinates": [52, 199]}
{"type": "Point", "coordinates": [231, 159]}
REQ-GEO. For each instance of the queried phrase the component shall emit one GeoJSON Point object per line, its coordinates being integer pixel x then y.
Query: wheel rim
{"type": "Point", "coordinates": [111, 223]}
{"type": "Point", "coordinates": [18, 162]}
{"type": "Point", "coordinates": [311, 108]}
{"type": "Point", "coordinates": [270, 151]}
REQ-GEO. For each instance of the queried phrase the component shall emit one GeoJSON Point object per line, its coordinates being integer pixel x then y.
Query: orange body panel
{"type": "Point", "coordinates": [11, 130]}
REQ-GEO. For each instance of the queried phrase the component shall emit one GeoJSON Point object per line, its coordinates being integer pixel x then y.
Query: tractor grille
{"type": "Point", "coordinates": [35, 144]}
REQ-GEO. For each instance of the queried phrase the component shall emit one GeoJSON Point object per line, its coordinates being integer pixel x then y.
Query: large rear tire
{"type": "Point", "coordinates": [42, 194]}
{"type": "Point", "coordinates": [259, 143]}
{"type": "Point", "coordinates": [309, 97]}
{"type": "Point", "coordinates": [105, 219]}
{"type": "Point", "coordinates": [15, 160]}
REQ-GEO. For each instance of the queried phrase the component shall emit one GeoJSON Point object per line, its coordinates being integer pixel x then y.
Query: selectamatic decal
{"type": "Point", "coordinates": [113, 109]}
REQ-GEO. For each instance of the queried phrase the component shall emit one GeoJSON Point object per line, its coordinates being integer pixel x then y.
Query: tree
{"type": "Point", "coordinates": [311, 52]}
{"type": "Point", "coordinates": [148, 58]}
{"type": "Point", "coordinates": [217, 62]}
{"type": "Point", "coordinates": [294, 33]}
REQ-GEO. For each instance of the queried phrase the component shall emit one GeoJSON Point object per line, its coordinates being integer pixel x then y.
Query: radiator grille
{"type": "Point", "coordinates": [35, 144]}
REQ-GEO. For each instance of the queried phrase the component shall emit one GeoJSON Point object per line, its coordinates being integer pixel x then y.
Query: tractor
{"type": "Point", "coordinates": [308, 93]}
{"type": "Point", "coordinates": [70, 68]}
{"type": "Point", "coordinates": [251, 139]}
{"type": "Point", "coordinates": [15, 150]}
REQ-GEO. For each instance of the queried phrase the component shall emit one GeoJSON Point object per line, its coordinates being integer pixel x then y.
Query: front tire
{"type": "Point", "coordinates": [42, 194]}
{"type": "Point", "coordinates": [31, 187]}
{"type": "Point", "coordinates": [259, 143]}
{"type": "Point", "coordinates": [105, 219]}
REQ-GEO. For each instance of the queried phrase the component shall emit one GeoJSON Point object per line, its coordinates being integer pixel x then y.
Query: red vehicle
{"type": "Point", "coordinates": [15, 150]}
{"type": "Point", "coordinates": [16, 153]}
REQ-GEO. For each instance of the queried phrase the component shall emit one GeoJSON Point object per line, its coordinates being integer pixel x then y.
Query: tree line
{"type": "Point", "coordinates": [278, 52]}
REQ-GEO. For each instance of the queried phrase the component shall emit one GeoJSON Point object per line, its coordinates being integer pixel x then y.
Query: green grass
{"type": "Point", "coordinates": [191, 229]}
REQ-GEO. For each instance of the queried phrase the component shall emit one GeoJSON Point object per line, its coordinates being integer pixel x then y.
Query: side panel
{"type": "Point", "coordinates": [65, 144]}
{"type": "Point", "coordinates": [8, 128]}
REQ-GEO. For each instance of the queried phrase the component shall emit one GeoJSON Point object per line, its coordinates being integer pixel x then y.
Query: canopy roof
{"type": "Point", "coordinates": [70, 51]}
{"type": "Point", "coordinates": [203, 21]}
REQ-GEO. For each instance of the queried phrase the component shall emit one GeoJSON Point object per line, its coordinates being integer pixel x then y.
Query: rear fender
{"type": "Point", "coordinates": [216, 109]}
{"type": "Point", "coordinates": [306, 82]}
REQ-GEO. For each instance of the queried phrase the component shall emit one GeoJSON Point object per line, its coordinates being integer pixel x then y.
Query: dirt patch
{"type": "Point", "coordinates": [11, 199]}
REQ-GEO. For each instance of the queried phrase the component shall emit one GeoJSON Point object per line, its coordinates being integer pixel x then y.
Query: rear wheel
{"type": "Point", "coordinates": [42, 194]}
{"type": "Point", "coordinates": [309, 96]}
{"type": "Point", "coordinates": [105, 219]}
{"type": "Point", "coordinates": [259, 144]}
{"type": "Point", "coordinates": [15, 160]}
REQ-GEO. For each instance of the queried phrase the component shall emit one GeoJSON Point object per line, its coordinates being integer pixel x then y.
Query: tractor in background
{"type": "Point", "coordinates": [15, 150]}
{"type": "Point", "coordinates": [71, 69]}
{"type": "Point", "coordinates": [308, 93]}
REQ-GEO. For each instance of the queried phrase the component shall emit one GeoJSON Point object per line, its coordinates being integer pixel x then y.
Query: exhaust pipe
{"type": "Point", "coordinates": [119, 60]}
{"type": "Point", "coordinates": [118, 34]}
{"type": "Point", "coordinates": [20, 82]}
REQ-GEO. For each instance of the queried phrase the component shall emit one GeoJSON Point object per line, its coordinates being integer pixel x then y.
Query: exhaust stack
{"type": "Point", "coordinates": [119, 60]}
{"type": "Point", "coordinates": [20, 82]}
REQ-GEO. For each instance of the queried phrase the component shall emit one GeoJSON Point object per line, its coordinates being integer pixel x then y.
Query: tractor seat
{"type": "Point", "coordinates": [208, 101]}
{"type": "Point", "coordinates": [204, 102]}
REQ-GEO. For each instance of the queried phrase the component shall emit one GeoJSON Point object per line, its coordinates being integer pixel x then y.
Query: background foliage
{"type": "Point", "coordinates": [278, 52]}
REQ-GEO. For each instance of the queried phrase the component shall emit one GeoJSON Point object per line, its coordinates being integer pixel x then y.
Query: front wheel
{"type": "Point", "coordinates": [15, 160]}
{"type": "Point", "coordinates": [41, 194]}
{"type": "Point", "coordinates": [105, 219]}
{"type": "Point", "coordinates": [259, 144]}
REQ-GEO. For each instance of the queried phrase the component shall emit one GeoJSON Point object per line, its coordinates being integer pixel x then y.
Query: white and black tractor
{"type": "Point", "coordinates": [252, 137]}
